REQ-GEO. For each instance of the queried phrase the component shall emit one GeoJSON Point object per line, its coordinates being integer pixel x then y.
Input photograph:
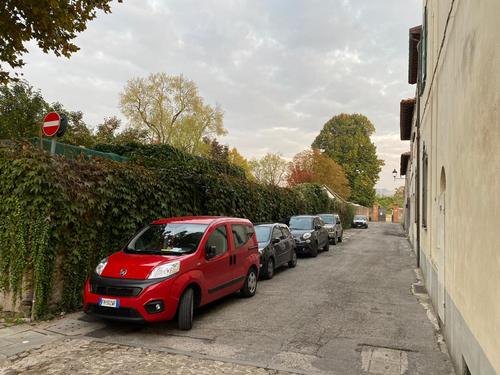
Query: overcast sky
{"type": "Point", "coordinates": [279, 68]}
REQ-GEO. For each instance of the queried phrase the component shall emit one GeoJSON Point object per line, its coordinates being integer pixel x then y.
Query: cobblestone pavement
{"type": "Point", "coordinates": [350, 311]}
{"type": "Point", "coordinates": [83, 356]}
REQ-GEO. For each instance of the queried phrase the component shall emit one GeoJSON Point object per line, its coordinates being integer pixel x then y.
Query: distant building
{"type": "Point", "coordinates": [452, 169]}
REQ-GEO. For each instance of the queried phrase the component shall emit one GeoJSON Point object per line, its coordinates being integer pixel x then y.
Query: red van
{"type": "Point", "coordinates": [172, 266]}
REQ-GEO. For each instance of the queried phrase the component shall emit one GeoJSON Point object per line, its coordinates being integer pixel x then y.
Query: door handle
{"type": "Point", "coordinates": [232, 259]}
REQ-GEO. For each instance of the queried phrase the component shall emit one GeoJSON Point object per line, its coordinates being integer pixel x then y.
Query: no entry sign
{"type": "Point", "coordinates": [51, 124]}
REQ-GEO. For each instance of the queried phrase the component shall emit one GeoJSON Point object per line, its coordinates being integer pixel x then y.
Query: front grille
{"type": "Point", "coordinates": [121, 312]}
{"type": "Point", "coordinates": [115, 291]}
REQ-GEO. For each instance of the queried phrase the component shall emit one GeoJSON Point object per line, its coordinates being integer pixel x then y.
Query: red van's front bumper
{"type": "Point", "coordinates": [137, 300]}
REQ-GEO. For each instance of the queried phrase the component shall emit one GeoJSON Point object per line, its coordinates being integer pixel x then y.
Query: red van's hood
{"type": "Point", "coordinates": [137, 266]}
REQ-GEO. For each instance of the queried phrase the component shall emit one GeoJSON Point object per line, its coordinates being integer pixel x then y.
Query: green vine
{"type": "Point", "coordinates": [59, 217]}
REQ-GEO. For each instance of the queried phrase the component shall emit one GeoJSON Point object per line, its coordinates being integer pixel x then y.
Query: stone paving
{"type": "Point", "coordinates": [83, 356]}
{"type": "Point", "coordinates": [353, 310]}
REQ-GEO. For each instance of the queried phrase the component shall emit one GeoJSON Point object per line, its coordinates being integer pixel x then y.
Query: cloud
{"type": "Point", "coordinates": [279, 68]}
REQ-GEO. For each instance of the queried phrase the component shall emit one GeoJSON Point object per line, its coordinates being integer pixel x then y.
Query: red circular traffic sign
{"type": "Point", "coordinates": [51, 124]}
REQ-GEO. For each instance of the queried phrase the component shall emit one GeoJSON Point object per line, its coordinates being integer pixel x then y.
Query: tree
{"type": "Point", "coordinates": [314, 166]}
{"type": "Point", "coordinates": [271, 169]}
{"type": "Point", "coordinates": [346, 139]}
{"type": "Point", "coordinates": [105, 132]}
{"type": "Point", "coordinates": [171, 110]}
{"type": "Point", "coordinates": [237, 159]}
{"type": "Point", "coordinates": [21, 111]}
{"type": "Point", "coordinates": [215, 150]}
{"type": "Point", "coordinates": [52, 24]}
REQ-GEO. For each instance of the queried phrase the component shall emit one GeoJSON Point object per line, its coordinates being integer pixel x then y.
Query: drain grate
{"type": "Point", "coordinates": [384, 361]}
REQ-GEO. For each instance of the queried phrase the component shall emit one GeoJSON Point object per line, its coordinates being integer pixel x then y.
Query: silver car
{"type": "Point", "coordinates": [334, 227]}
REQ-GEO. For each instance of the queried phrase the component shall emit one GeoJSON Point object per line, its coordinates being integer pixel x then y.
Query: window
{"type": "Point", "coordinates": [337, 217]}
{"type": "Point", "coordinates": [263, 233]}
{"type": "Point", "coordinates": [167, 239]}
{"type": "Point", "coordinates": [327, 218]}
{"type": "Point", "coordinates": [423, 54]}
{"type": "Point", "coordinates": [277, 233]}
{"type": "Point", "coordinates": [301, 223]}
{"type": "Point", "coordinates": [218, 239]}
{"type": "Point", "coordinates": [285, 232]}
{"type": "Point", "coordinates": [241, 234]}
{"type": "Point", "coordinates": [425, 182]}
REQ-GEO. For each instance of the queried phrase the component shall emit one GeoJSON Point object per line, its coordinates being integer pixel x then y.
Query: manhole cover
{"type": "Point", "coordinates": [384, 361]}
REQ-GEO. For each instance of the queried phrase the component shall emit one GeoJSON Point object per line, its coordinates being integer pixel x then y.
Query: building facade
{"type": "Point", "coordinates": [452, 170]}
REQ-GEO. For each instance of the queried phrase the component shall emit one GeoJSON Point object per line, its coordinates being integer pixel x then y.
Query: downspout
{"type": "Point", "coordinates": [417, 203]}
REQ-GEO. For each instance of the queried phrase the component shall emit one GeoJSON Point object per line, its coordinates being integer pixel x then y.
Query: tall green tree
{"type": "Point", "coordinates": [346, 139]}
{"type": "Point", "coordinates": [21, 110]}
{"type": "Point", "coordinates": [52, 24]}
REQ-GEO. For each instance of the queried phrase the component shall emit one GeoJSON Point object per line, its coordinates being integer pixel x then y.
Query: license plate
{"type": "Point", "coordinates": [109, 302]}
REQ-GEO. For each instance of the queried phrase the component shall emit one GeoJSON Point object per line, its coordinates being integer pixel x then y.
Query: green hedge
{"type": "Point", "coordinates": [81, 210]}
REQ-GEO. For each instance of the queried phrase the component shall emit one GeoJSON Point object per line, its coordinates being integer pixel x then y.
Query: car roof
{"type": "Point", "coordinates": [201, 220]}
{"type": "Point", "coordinates": [305, 216]}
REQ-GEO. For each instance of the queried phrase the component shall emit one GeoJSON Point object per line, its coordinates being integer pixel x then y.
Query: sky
{"type": "Point", "coordinates": [278, 68]}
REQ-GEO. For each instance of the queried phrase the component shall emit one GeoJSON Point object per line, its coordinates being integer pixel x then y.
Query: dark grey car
{"type": "Point", "coordinates": [334, 226]}
{"type": "Point", "coordinates": [310, 234]}
{"type": "Point", "coordinates": [276, 248]}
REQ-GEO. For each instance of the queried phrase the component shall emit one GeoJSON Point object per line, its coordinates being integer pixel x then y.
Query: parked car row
{"type": "Point", "coordinates": [172, 266]}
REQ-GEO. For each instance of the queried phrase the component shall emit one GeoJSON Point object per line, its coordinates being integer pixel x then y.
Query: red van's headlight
{"type": "Point", "coordinates": [100, 267]}
{"type": "Point", "coordinates": [165, 270]}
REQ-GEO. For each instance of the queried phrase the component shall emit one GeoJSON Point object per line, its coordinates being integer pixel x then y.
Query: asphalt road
{"type": "Point", "coordinates": [351, 310]}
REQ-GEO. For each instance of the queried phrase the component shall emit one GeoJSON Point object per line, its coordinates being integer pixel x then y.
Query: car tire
{"type": "Point", "coordinates": [250, 286]}
{"type": "Point", "coordinates": [314, 250]}
{"type": "Point", "coordinates": [186, 310]}
{"type": "Point", "coordinates": [293, 262]}
{"type": "Point", "coordinates": [341, 235]}
{"type": "Point", "coordinates": [327, 246]}
{"type": "Point", "coordinates": [269, 269]}
{"type": "Point", "coordinates": [334, 239]}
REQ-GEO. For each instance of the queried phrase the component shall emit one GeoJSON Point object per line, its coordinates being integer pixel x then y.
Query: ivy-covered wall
{"type": "Point", "coordinates": [78, 211]}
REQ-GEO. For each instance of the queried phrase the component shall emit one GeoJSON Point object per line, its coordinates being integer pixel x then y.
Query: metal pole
{"type": "Point", "coordinates": [53, 146]}
{"type": "Point", "coordinates": [41, 135]}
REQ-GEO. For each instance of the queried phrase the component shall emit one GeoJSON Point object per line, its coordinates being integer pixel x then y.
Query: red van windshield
{"type": "Point", "coordinates": [167, 239]}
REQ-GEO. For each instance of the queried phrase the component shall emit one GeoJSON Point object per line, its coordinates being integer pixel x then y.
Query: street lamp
{"type": "Point", "coordinates": [395, 175]}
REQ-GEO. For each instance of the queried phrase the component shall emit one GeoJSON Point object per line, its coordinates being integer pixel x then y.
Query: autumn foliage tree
{"type": "Point", "coordinates": [51, 24]}
{"type": "Point", "coordinates": [314, 166]}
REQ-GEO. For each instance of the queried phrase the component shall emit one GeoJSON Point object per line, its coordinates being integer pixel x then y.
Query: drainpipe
{"type": "Point", "coordinates": [417, 204]}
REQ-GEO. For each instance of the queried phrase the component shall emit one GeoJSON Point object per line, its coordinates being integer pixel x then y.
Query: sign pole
{"type": "Point", "coordinates": [53, 146]}
{"type": "Point", "coordinates": [41, 135]}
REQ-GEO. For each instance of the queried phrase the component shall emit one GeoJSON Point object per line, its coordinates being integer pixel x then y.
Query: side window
{"type": "Point", "coordinates": [337, 218]}
{"type": "Point", "coordinates": [241, 234]}
{"type": "Point", "coordinates": [218, 239]}
{"type": "Point", "coordinates": [276, 233]}
{"type": "Point", "coordinates": [285, 231]}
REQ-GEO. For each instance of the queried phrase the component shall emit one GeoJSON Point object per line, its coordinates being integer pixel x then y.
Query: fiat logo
{"type": "Point", "coordinates": [123, 272]}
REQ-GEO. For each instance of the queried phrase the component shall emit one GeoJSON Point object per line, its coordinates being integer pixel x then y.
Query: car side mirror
{"type": "Point", "coordinates": [210, 251]}
{"type": "Point", "coordinates": [276, 240]}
